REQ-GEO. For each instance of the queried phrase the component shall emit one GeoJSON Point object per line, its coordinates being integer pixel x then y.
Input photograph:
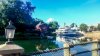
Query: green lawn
{"type": "Point", "coordinates": [30, 45]}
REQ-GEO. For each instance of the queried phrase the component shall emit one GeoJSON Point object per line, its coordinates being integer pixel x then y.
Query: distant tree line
{"type": "Point", "coordinates": [84, 27]}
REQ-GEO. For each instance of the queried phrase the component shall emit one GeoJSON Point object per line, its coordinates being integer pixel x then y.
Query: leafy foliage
{"type": "Point", "coordinates": [83, 27]}
{"type": "Point", "coordinates": [73, 25]}
{"type": "Point", "coordinates": [98, 27]}
{"type": "Point", "coordinates": [92, 28]}
{"type": "Point", "coordinates": [53, 25]}
{"type": "Point", "coordinates": [18, 12]}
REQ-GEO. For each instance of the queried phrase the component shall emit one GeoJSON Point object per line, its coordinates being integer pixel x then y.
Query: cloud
{"type": "Point", "coordinates": [50, 20]}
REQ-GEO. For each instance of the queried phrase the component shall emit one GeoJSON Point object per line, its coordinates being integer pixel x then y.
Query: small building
{"type": "Point", "coordinates": [42, 28]}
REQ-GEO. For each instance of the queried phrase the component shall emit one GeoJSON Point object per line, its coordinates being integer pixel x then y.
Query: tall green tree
{"type": "Point", "coordinates": [18, 12]}
{"type": "Point", "coordinates": [83, 27]}
{"type": "Point", "coordinates": [2, 16]}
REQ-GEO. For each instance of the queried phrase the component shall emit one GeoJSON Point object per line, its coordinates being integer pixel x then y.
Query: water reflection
{"type": "Point", "coordinates": [73, 40]}
{"type": "Point", "coordinates": [86, 49]}
{"type": "Point", "coordinates": [45, 44]}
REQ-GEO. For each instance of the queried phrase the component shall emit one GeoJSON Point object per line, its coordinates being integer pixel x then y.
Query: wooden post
{"type": "Point", "coordinates": [95, 46]}
{"type": "Point", "coordinates": [66, 50]}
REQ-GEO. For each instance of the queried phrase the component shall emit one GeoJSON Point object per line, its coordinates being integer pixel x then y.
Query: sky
{"type": "Point", "coordinates": [67, 11]}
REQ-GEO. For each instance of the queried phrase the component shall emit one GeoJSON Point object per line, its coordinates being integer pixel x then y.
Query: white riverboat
{"type": "Point", "coordinates": [68, 31]}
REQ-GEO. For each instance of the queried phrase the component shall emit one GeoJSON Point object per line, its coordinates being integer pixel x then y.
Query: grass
{"type": "Point", "coordinates": [28, 45]}
{"type": "Point", "coordinates": [30, 42]}
{"type": "Point", "coordinates": [94, 35]}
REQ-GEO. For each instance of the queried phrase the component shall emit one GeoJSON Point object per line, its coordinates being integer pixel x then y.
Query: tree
{"type": "Point", "coordinates": [53, 25]}
{"type": "Point", "coordinates": [92, 28]}
{"type": "Point", "coordinates": [17, 11]}
{"type": "Point", "coordinates": [83, 27]}
{"type": "Point", "coordinates": [98, 27]}
{"type": "Point", "coordinates": [73, 25]}
{"type": "Point", "coordinates": [37, 21]}
{"type": "Point", "coordinates": [2, 16]}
